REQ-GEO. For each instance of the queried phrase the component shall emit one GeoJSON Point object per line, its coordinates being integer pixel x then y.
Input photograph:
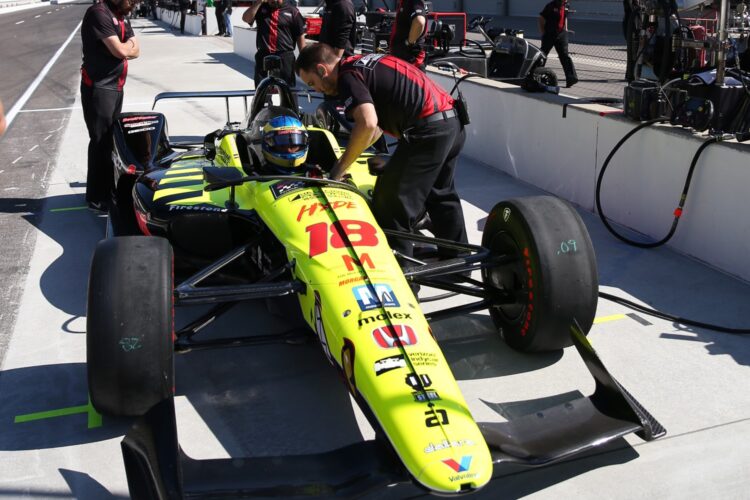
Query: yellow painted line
{"type": "Point", "coordinates": [183, 170]}
{"type": "Point", "coordinates": [162, 193]}
{"type": "Point", "coordinates": [173, 179]}
{"type": "Point", "coordinates": [607, 319]}
{"type": "Point", "coordinates": [94, 418]}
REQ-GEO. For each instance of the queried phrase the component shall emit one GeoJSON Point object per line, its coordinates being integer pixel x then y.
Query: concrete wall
{"type": "Point", "coordinates": [526, 136]}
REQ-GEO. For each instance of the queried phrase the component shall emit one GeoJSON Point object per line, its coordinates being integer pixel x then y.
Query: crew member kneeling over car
{"type": "Point", "coordinates": [107, 44]}
{"type": "Point", "coordinates": [384, 92]}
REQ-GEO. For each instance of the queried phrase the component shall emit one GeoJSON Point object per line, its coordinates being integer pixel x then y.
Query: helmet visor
{"type": "Point", "coordinates": [286, 141]}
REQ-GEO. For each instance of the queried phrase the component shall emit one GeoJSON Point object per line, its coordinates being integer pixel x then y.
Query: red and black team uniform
{"type": "Point", "coordinates": [339, 26]}
{"type": "Point", "coordinates": [278, 31]}
{"type": "Point", "coordinates": [419, 175]}
{"type": "Point", "coordinates": [556, 35]}
{"type": "Point", "coordinates": [102, 80]}
{"type": "Point", "coordinates": [405, 13]}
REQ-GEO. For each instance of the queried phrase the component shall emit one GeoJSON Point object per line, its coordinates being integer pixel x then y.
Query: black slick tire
{"type": "Point", "coordinates": [129, 327]}
{"type": "Point", "coordinates": [551, 274]}
{"type": "Point", "coordinates": [546, 76]}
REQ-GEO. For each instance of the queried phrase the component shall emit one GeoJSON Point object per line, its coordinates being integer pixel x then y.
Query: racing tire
{"type": "Point", "coordinates": [327, 119]}
{"type": "Point", "coordinates": [129, 326]}
{"type": "Point", "coordinates": [545, 76]}
{"type": "Point", "coordinates": [552, 272]}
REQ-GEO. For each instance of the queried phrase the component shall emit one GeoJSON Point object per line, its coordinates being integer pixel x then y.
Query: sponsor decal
{"type": "Point", "coordinates": [389, 336]}
{"type": "Point", "coordinates": [432, 447]}
{"type": "Point", "coordinates": [283, 188]}
{"type": "Point", "coordinates": [461, 466]}
{"type": "Point", "coordinates": [369, 61]}
{"type": "Point", "coordinates": [364, 260]}
{"type": "Point", "coordinates": [374, 296]}
{"type": "Point", "coordinates": [506, 214]}
{"type": "Point", "coordinates": [195, 208]}
{"type": "Point", "coordinates": [142, 123]}
{"type": "Point", "coordinates": [413, 380]}
{"type": "Point", "coordinates": [322, 207]}
{"type": "Point", "coordinates": [426, 396]}
{"type": "Point", "coordinates": [305, 195]}
{"type": "Point", "coordinates": [349, 281]}
{"type": "Point", "coordinates": [390, 363]}
{"type": "Point", "coordinates": [436, 418]}
{"type": "Point", "coordinates": [423, 358]}
{"type": "Point", "coordinates": [144, 129]}
{"type": "Point", "coordinates": [463, 477]}
{"type": "Point", "coordinates": [138, 118]}
{"type": "Point", "coordinates": [382, 317]}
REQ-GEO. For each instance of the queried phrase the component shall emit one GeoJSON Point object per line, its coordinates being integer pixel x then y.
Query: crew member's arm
{"type": "Point", "coordinates": [364, 133]}
{"type": "Point", "coordinates": [298, 29]}
{"type": "Point", "coordinates": [343, 22]}
{"type": "Point", "coordinates": [542, 24]}
{"type": "Point", "coordinates": [417, 28]}
{"type": "Point", "coordinates": [129, 49]}
{"type": "Point", "coordinates": [249, 15]}
{"type": "Point", "coordinates": [301, 41]}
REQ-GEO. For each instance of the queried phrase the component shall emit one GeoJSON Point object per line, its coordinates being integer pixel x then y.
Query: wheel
{"type": "Point", "coordinates": [326, 118]}
{"type": "Point", "coordinates": [551, 276]}
{"type": "Point", "coordinates": [129, 328]}
{"type": "Point", "coordinates": [545, 76]}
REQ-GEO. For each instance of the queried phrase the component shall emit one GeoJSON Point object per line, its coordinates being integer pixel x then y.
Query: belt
{"type": "Point", "coordinates": [435, 117]}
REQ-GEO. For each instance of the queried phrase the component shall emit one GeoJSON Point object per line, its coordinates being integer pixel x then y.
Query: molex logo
{"type": "Point", "coordinates": [389, 336]}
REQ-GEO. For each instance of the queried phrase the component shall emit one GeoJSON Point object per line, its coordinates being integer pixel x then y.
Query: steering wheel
{"type": "Point", "coordinates": [476, 50]}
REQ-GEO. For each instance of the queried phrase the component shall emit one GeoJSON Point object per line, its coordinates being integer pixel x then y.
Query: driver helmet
{"type": "Point", "coordinates": [285, 143]}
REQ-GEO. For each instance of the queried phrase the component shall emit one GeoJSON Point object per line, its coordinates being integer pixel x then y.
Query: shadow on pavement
{"type": "Point", "coordinates": [83, 485]}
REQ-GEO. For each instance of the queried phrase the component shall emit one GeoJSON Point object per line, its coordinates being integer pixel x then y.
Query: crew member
{"type": "Point", "coordinates": [553, 25]}
{"type": "Point", "coordinates": [383, 92]}
{"type": "Point", "coordinates": [339, 27]}
{"type": "Point", "coordinates": [280, 26]}
{"type": "Point", "coordinates": [108, 43]}
{"type": "Point", "coordinates": [407, 32]}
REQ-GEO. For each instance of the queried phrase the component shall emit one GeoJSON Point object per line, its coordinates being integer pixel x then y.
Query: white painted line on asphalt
{"type": "Point", "coordinates": [49, 109]}
{"type": "Point", "coordinates": [37, 16]}
{"type": "Point", "coordinates": [1, 171]}
{"type": "Point", "coordinates": [32, 149]}
{"type": "Point", "coordinates": [47, 137]}
{"type": "Point", "coordinates": [48, 12]}
{"type": "Point", "coordinates": [16, 160]}
{"type": "Point", "coordinates": [20, 22]}
{"type": "Point", "coordinates": [29, 91]}
{"type": "Point", "coordinates": [11, 189]}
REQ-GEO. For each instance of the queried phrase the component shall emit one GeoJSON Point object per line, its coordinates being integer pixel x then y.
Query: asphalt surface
{"type": "Point", "coordinates": [30, 38]}
{"type": "Point", "coordinates": [285, 399]}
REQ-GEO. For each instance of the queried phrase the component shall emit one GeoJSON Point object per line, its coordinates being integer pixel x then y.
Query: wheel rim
{"type": "Point", "coordinates": [510, 277]}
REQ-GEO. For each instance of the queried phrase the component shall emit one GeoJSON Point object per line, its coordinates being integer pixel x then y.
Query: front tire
{"type": "Point", "coordinates": [545, 76]}
{"type": "Point", "coordinates": [552, 274]}
{"type": "Point", "coordinates": [129, 329]}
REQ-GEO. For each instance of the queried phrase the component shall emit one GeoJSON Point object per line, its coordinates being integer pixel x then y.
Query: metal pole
{"type": "Point", "coordinates": [722, 55]}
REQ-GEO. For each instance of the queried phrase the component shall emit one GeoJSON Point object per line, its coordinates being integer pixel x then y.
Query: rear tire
{"type": "Point", "coordinates": [546, 76]}
{"type": "Point", "coordinates": [129, 339]}
{"type": "Point", "coordinates": [553, 276]}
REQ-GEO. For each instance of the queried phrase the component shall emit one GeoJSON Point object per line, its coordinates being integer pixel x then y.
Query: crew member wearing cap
{"type": "Point", "coordinates": [384, 93]}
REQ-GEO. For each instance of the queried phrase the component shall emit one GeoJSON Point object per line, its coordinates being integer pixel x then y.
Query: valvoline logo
{"type": "Point", "coordinates": [386, 336]}
{"type": "Point", "coordinates": [462, 466]}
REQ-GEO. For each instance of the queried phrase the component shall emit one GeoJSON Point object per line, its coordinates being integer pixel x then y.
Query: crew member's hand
{"type": "Point", "coordinates": [413, 48]}
{"type": "Point", "coordinates": [337, 172]}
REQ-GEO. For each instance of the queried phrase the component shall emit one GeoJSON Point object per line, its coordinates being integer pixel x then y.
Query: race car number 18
{"type": "Point", "coordinates": [358, 233]}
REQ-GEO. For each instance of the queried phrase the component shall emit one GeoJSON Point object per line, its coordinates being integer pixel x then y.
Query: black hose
{"type": "Point", "coordinates": [669, 317]}
{"type": "Point", "coordinates": [683, 197]}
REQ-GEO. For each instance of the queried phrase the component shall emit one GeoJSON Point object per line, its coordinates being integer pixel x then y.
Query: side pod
{"type": "Point", "coordinates": [574, 426]}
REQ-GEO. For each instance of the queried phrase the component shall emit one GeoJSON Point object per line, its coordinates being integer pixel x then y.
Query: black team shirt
{"type": "Point", "coordinates": [554, 18]}
{"type": "Point", "coordinates": [100, 68]}
{"type": "Point", "coordinates": [338, 29]}
{"type": "Point", "coordinates": [405, 13]}
{"type": "Point", "coordinates": [278, 29]}
{"type": "Point", "coordinates": [400, 92]}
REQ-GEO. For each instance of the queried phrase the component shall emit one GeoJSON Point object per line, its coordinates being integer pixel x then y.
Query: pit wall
{"type": "Point", "coordinates": [526, 136]}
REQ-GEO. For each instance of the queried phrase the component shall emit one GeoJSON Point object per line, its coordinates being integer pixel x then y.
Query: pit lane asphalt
{"type": "Point", "coordinates": [285, 399]}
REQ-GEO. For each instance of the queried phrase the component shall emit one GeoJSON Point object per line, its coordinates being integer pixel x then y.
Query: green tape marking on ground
{"type": "Point", "coordinates": [94, 418]}
{"type": "Point", "coordinates": [606, 319]}
{"type": "Point", "coordinates": [68, 209]}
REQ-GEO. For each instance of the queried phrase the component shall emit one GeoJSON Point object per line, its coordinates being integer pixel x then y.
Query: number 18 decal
{"type": "Point", "coordinates": [359, 233]}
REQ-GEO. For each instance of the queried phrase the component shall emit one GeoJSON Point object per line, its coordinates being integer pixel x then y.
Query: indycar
{"type": "Point", "coordinates": [211, 225]}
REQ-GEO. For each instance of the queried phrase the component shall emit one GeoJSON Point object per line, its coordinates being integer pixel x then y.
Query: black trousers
{"type": "Point", "coordinates": [183, 14]}
{"type": "Point", "coordinates": [560, 43]}
{"type": "Point", "coordinates": [100, 109]}
{"type": "Point", "coordinates": [419, 178]}
{"type": "Point", "coordinates": [220, 21]}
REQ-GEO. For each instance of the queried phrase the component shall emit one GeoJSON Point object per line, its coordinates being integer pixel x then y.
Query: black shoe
{"type": "Point", "coordinates": [569, 82]}
{"type": "Point", "coordinates": [98, 207]}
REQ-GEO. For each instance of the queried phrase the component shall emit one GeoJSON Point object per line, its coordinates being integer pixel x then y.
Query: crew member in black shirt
{"type": "Point", "coordinates": [280, 26]}
{"type": "Point", "coordinates": [107, 44]}
{"type": "Point", "coordinates": [339, 27]}
{"type": "Point", "coordinates": [553, 25]}
{"type": "Point", "coordinates": [407, 32]}
{"type": "Point", "coordinates": [385, 93]}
